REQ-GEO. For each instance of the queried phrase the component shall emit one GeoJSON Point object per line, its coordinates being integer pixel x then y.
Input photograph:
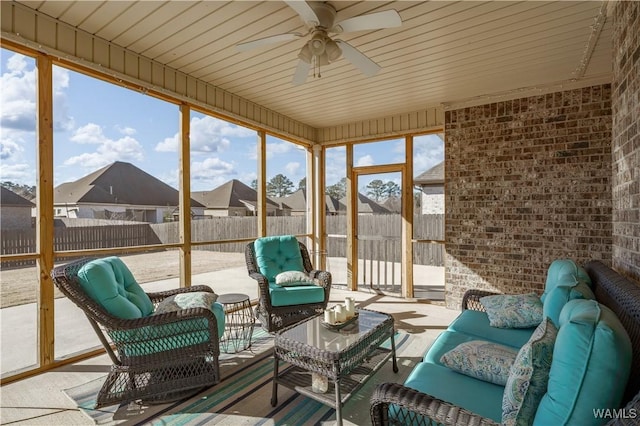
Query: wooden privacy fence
{"type": "Point", "coordinates": [371, 229]}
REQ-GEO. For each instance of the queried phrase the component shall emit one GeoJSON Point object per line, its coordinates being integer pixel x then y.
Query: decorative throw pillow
{"type": "Point", "coordinates": [193, 299]}
{"type": "Point", "coordinates": [483, 360]}
{"type": "Point", "coordinates": [529, 375]}
{"type": "Point", "coordinates": [513, 310]}
{"type": "Point", "coordinates": [293, 278]}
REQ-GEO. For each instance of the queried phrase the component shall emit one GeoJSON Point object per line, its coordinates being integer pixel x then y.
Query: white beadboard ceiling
{"type": "Point", "coordinates": [444, 52]}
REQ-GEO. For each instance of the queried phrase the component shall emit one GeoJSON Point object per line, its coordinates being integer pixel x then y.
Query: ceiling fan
{"type": "Point", "coordinates": [321, 49]}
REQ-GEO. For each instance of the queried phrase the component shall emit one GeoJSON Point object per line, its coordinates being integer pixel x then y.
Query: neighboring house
{"type": "Point", "coordinates": [234, 198]}
{"type": "Point", "coordinates": [119, 191]}
{"type": "Point", "coordinates": [297, 202]}
{"type": "Point", "coordinates": [431, 185]}
{"type": "Point", "coordinates": [367, 206]}
{"type": "Point", "coordinates": [16, 210]}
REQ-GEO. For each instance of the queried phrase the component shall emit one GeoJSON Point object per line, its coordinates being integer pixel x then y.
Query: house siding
{"type": "Point", "coordinates": [15, 218]}
{"type": "Point", "coordinates": [625, 99]}
{"type": "Point", "coordinates": [527, 181]}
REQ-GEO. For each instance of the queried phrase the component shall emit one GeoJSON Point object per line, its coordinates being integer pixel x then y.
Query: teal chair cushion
{"type": "Point", "coordinates": [564, 272]}
{"type": "Point", "coordinates": [590, 367]}
{"type": "Point", "coordinates": [277, 254]}
{"type": "Point", "coordinates": [296, 295]}
{"type": "Point", "coordinates": [476, 323]}
{"type": "Point", "coordinates": [109, 282]}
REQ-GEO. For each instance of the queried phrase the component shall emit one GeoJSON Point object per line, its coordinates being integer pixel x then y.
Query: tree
{"type": "Point", "coordinates": [391, 189]}
{"type": "Point", "coordinates": [376, 189]}
{"type": "Point", "coordinates": [254, 184]}
{"type": "Point", "coordinates": [338, 190]}
{"type": "Point", "coordinates": [303, 183]}
{"type": "Point", "coordinates": [26, 191]}
{"type": "Point", "coordinates": [279, 186]}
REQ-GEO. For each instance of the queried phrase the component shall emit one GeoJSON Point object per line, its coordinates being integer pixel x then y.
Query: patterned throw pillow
{"type": "Point", "coordinates": [483, 360]}
{"type": "Point", "coordinates": [293, 278]}
{"type": "Point", "coordinates": [527, 381]}
{"type": "Point", "coordinates": [513, 310]}
{"type": "Point", "coordinates": [193, 299]}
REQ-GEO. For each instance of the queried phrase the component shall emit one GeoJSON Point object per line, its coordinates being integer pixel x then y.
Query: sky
{"type": "Point", "coordinates": [97, 123]}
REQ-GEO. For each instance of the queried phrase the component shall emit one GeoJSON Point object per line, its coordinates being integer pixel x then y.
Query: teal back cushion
{"type": "Point", "coordinates": [564, 272]}
{"type": "Point", "coordinates": [590, 366]}
{"type": "Point", "coordinates": [277, 254]}
{"type": "Point", "coordinates": [109, 282]}
{"type": "Point", "coordinates": [560, 295]}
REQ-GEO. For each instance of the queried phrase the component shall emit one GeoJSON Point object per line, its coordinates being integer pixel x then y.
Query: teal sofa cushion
{"type": "Point", "coordinates": [513, 310]}
{"type": "Point", "coordinates": [560, 295]}
{"type": "Point", "coordinates": [564, 272]}
{"type": "Point", "coordinates": [476, 323]}
{"type": "Point", "coordinates": [277, 254]}
{"type": "Point", "coordinates": [527, 381]}
{"type": "Point", "coordinates": [109, 282]}
{"type": "Point", "coordinates": [590, 369]}
{"type": "Point", "coordinates": [295, 295]}
{"type": "Point", "coordinates": [481, 397]}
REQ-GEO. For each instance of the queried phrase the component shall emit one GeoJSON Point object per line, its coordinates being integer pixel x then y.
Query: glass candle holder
{"type": "Point", "coordinates": [319, 383]}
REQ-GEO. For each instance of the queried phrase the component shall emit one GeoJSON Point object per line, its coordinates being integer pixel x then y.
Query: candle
{"type": "Point", "coordinates": [341, 313]}
{"type": "Point", "coordinates": [329, 316]}
{"type": "Point", "coordinates": [350, 304]}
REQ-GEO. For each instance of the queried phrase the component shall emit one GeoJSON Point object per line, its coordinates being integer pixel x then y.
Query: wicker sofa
{"type": "Point", "coordinates": [433, 394]}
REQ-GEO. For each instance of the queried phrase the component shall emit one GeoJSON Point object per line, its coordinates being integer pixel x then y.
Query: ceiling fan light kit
{"type": "Point", "coordinates": [321, 49]}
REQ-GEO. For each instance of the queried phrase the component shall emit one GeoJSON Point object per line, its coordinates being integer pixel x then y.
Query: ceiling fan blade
{"type": "Point", "coordinates": [371, 21]}
{"type": "Point", "coordinates": [359, 59]}
{"type": "Point", "coordinates": [303, 9]}
{"type": "Point", "coordinates": [243, 47]}
{"type": "Point", "coordinates": [302, 71]}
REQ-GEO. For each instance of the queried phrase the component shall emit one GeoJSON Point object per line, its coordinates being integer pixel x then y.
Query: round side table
{"type": "Point", "coordinates": [239, 322]}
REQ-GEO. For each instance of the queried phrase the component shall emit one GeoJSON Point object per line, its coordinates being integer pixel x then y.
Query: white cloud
{"type": "Point", "coordinates": [108, 150]}
{"type": "Point", "coordinates": [211, 171]}
{"type": "Point", "coordinates": [292, 168]}
{"type": "Point", "coordinates": [366, 160]}
{"type": "Point", "coordinates": [208, 135]}
{"type": "Point", "coordinates": [129, 131]}
{"type": "Point", "coordinates": [428, 151]}
{"type": "Point", "coordinates": [23, 173]}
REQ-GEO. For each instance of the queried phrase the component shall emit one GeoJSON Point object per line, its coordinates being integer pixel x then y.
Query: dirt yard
{"type": "Point", "coordinates": [19, 286]}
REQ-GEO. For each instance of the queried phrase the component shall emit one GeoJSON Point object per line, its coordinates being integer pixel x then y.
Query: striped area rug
{"type": "Point", "coordinates": [244, 394]}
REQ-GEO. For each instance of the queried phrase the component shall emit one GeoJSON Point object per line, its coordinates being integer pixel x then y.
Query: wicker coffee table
{"type": "Point", "coordinates": [347, 357]}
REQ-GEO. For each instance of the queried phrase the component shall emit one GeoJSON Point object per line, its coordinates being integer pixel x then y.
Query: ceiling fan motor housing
{"type": "Point", "coordinates": [325, 13]}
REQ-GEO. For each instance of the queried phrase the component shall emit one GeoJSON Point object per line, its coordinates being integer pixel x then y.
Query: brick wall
{"type": "Point", "coordinates": [527, 181]}
{"type": "Point", "coordinates": [625, 100]}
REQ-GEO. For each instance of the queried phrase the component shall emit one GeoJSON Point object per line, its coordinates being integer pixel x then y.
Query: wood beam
{"type": "Point", "coordinates": [407, 221]}
{"type": "Point", "coordinates": [352, 222]}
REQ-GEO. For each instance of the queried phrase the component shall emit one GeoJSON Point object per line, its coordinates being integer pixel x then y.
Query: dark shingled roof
{"type": "Point", "coordinates": [230, 194]}
{"type": "Point", "coordinates": [433, 176]}
{"type": "Point", "coordinates": [367, 205]}
{"type": "Point", "coordinates": [119, 183]}
{"type": "Point", "coordinates": [8, 198]}
{"type": "Point", "coordinates": [297, 201]}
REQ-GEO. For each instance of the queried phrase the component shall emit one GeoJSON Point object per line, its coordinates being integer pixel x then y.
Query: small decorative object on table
{"type": "Point", "coordinates": [319, 383]}
{"type": "Point", "coordinates": [338, 325]}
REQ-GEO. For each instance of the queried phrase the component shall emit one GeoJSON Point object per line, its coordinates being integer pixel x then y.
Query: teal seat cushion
{"type": "Point", "coordinates": [277, 254]}
{"type": "Point", "coordinates": [476, 323]}
{"type": "Point", "coordinates": [295, 295]}
{"type": "Point", "coordinates": [590, 366]}
{"type": "Point", "coordinates": [109, 282]}
{"type": "Point", "coordinates": [475, 395]}
{"type": "Point", "coordinates": [564, 272]}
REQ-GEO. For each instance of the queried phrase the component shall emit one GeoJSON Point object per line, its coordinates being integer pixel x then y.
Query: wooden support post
{"type": "Point", "coordinates": [352, 222]}
{"type": "Point", "coordinates": [44, 208]}
{"type": "Point", "coordinates": [262, 184]}
{"type": "Point", "coordinates": [407, 221]}
{"type": "Point", "coordinates": [184, 205]}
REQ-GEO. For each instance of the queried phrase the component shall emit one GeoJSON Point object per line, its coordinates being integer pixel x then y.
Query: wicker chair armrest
{"type": "Point", "coordinates": [471, 299]}
{"type": "Point", "coordinates": [419, 408]}
{"type": "Point", "coordinates": [155, 320]}
{"type": "Point", "coordinates": [324, 277]}
{"type": "Point", "coordinates": [158, 296]}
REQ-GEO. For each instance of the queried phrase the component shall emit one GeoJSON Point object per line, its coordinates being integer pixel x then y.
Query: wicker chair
{"type": "Point", "coordinates": [274, 318]}
{"type": "Point", "coordinates": [157, 358]}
